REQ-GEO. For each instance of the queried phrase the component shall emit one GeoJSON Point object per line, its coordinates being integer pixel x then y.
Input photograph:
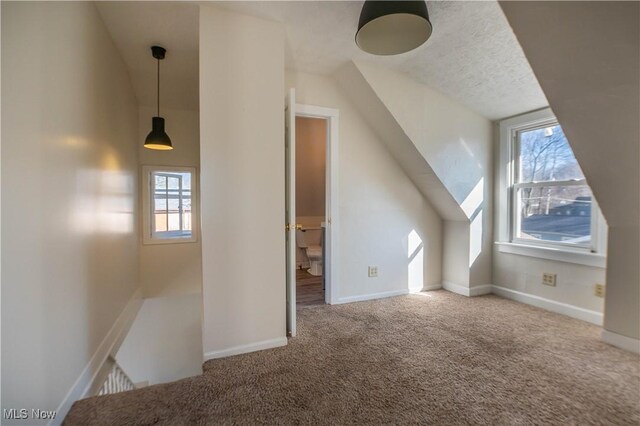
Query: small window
{"type": "Point", "coordinates": [169, 205]}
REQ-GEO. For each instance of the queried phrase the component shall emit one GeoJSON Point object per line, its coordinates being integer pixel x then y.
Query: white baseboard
{"type": "Point", "coordinates": [623, 342]}
{"type": "Point", "coordinates": [455, 288]}
{"type": "Point", "coordinates": [107, 347]}
{"type": "Point", "coordinates": [371, 296]}
{"type": "Point", "coordinates": [432, 287]}
{"type": "Point", "coordinates": [550, 305]}
{"type": "Point", "coordinates": [243, 349]}
{"type": "Point", "coordinates": [478, 290]}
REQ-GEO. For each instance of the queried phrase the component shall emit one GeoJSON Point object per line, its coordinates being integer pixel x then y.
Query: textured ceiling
{"type": "Point", "coordinates": [472, 56]}
{"type": "Point", "coordinates": [475, 58]}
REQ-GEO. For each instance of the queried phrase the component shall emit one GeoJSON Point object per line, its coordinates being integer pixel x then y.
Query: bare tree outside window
{"type": "Point", "coordinates": [553, 201]}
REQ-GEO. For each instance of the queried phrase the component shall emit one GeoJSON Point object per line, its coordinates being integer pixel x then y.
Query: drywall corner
{"type": "Point", "coordinates": [242, 163]}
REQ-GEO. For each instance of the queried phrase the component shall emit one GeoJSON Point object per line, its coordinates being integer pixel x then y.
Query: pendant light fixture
{"type": "Point", "coordinates": [392, 27]}
{"type": "Point", "coordinates": [158, 139]}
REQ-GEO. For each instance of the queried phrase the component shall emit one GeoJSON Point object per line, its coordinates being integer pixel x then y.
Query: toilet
{"type": "Point", "coordinates": [310, 240]}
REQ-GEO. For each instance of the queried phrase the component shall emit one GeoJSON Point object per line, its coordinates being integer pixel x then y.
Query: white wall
{"type": "Point", "coordinates": [592, 79]}
{"type": "Point", "coordinates": [456, 144]}
{"type": "Point", "coordinates": [449, 135]}
{"type": "Point", "coordinates": [575, 283]}
{"type": "Point", "coordinates": [165, 341]}
{"type": "Point", "coordinates": [242, 181]}
{"type": "Point", "coordinates": [69, 162]}
{"type": "Point", "coordinates": [171, 269]}
{"type": "Point", "coordinates": [455, 267]}
{"type": "Point", "coordinates": [622, 303]}
{"type": "Point", "coordinates": [379, 206]}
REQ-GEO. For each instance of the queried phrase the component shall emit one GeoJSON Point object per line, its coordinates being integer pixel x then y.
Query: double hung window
{"type": "Point", "coordinates": [545, 206]}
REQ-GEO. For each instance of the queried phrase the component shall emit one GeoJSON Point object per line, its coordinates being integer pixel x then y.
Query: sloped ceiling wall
{"type": "Point", "coordinates": [445, 148]}
{"type": "Point", "coordinates": [398, 143]}
{"type": "Point", "coordinates": [586, 56]}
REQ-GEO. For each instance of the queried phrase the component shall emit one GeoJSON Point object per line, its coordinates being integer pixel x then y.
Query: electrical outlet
{"type": "Point", "coordinates": [599, 290]}
{"type": "Point", "coordinates": [549, 279]}
{"type": "Point", "coordinates": [373, 271]}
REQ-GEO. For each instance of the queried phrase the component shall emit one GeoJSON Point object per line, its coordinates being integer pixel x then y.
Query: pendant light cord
{"type": "Point", "coordinates": [158, 87]}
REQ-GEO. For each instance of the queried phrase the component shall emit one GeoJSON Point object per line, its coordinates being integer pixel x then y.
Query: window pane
{"type": "Point", "coordinates": [174, 222]}
{"type": "Point", "coordinates": [160, 204]}
{"type": "Point", "coordinates": [545, 155]}
{"type": "Point", "coordinates": [186, 221]}
{"type": "Point", "coordinates": [172, 204]}
{"type": "Point", "coordinates": [160, 182]}
{"type": "Point", "coordinates": [555, 214]}
{"type": "Point", "coordinates": [174, 182]}
{"type": "Point", "coordinates": [161, 222]}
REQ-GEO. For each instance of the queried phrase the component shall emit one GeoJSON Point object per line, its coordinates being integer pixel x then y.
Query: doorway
{"type": "Point", "coordinates": [311, 161]}
{"type": "Point", "coordinates": [320, 222]}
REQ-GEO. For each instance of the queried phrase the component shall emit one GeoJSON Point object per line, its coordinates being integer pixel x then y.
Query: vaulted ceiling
{"type": "Point", "coordinates": [137, 25]}
{"type": "Point", "coordinates": [472, 56]}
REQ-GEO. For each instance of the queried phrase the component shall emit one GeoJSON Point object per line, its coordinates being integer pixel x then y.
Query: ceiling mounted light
{"type": "Point", "coordinates": [158, 139]}
{"type": "Point", "coordinates": [392, 27]}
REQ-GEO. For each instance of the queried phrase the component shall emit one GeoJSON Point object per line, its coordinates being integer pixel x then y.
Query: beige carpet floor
{"type": "Point", "coordinates": [431, 358]}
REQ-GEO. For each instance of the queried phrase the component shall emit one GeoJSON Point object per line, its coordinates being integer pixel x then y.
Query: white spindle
{"type": "Point", "coordinates": [117, 381]}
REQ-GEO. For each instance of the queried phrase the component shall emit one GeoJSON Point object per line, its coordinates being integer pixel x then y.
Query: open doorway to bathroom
{"type": "Point", "coordinates": [311, 166]}
{"type": "Point", "coordinates": [313, 264]}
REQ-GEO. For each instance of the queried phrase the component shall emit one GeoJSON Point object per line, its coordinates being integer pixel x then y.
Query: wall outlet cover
{"type": "Point", "coordinates": [549, 279]}
{"type": "Point", "coordinates": [599, 290]}
{"type": "Point", "coordinates": [373, 271]}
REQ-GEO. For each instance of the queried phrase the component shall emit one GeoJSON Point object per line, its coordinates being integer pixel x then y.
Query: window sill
{"type": "Point", "coordinates": [152, 241]}
{"type": "Point", "coordinates": [580, 258]}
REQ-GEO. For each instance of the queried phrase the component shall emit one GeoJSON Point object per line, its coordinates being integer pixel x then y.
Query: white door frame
{"type": "Point", "coordinates": [330, 263]}
{"type": "Point", "coordinates": [290, 211]}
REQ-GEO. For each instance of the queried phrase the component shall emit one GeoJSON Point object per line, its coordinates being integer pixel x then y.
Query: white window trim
{"type": "Point", "coordinates": [551, 253]}
{"type": "Point", "coordinates": [146, 205]}
{"type": "Point", "coordinates": [592, 256]}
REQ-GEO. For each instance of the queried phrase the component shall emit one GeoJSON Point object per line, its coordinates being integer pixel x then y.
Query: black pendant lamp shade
{"type": "Point", "coordinates": [392, 27]}
{"type": "Point", "coordinates": [158, 139]}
